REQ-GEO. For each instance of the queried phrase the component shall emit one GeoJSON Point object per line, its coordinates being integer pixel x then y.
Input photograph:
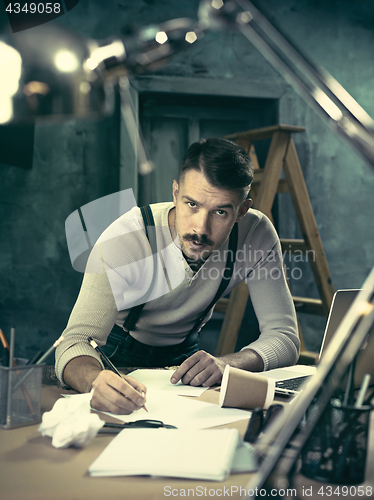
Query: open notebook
{"type": "Point", "coordinates": [290, 380]}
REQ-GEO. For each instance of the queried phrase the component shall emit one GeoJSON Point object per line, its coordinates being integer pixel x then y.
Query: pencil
{"type": "Point", "coordinates": [50, 350]}
{"type": "Point", "coordinates": [95, 345]}
{"type": "Point", "coordinates": [4, 340]}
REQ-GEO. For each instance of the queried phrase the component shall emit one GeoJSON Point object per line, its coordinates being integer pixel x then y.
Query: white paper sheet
{"type": "Point", "coordinates": [160, 380]}
{"type": "Point", "coordinates": [184, 413]}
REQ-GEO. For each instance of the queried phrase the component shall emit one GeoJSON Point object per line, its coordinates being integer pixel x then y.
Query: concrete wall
{"type": "Point", "coordinates": [78, 162]}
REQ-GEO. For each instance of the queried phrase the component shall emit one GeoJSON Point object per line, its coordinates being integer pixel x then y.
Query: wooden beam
{"type": "Point", "coordinates": [271, 173]}
{"type": "Point", "coordinates": [263, 133]}
{"type": "Point", "coordinates": [308, 225]}
{"type": "Point", "coordinates": [232, 320]}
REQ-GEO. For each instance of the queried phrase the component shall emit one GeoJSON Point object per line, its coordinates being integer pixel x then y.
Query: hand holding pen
{"type": "Point", "coordinates": [114, 392]}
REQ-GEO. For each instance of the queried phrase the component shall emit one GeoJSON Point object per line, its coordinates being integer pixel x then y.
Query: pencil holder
{"type": "Point", "coordinates": [336, 449]}
{"type": "Point", "coordinates": [20, 395]}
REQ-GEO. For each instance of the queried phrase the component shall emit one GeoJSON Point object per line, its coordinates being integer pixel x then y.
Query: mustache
{"type": "Point", "coordinates": [203, 239]}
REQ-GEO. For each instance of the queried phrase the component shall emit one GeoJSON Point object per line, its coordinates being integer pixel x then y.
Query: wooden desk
{"type": "Point", "coordinates": [31, 469]}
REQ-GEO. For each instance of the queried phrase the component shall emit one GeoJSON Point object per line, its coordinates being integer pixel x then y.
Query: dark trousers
{"type": "Point", "coordinates": [124, 351]}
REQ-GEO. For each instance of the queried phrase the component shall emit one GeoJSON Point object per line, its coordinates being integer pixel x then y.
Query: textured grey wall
{"type": "Point", "coordinates": [75, 163]}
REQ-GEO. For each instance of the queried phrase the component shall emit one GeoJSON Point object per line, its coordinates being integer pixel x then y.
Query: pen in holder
{"type": "Point", "coordinates": [337, 448]}
{"type": "Point", "coordinates": [20, 402]}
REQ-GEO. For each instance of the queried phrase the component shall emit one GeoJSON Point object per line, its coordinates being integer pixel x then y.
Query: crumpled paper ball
{"type": "Point", "coordinates": [70, 422]}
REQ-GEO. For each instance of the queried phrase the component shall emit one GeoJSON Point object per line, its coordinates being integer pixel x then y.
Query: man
{"type": "Point", "coordinates": [194, 235]}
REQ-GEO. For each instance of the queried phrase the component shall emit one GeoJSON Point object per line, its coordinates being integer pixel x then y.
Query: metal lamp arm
{"type": "Point", "coordinates": [314, 84]}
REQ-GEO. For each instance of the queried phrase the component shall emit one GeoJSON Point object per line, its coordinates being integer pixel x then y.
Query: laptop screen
{"type": "Point", "coordinates": [341, 303]}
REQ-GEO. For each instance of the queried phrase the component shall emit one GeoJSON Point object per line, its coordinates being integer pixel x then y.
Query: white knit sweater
{"type": "Point", "coordinates": [120, 271]}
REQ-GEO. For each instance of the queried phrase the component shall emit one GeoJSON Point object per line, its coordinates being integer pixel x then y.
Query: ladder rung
{"type": "Point", "coordinates": [292, 245]}
{"type": "Point", "coordinates": [308, 358]}
{"type": "Point", "coordinates": [221, 305]}
{"type": "Point", "coordinates": [257, 176]}
{"type": "Point", "coordinates": [310, 306]}
{"type": "Point", "coordinates": [282, 184]}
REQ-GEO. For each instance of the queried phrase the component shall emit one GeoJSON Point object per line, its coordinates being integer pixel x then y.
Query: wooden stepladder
{"type": "Point", "coordinates": [267, 183]}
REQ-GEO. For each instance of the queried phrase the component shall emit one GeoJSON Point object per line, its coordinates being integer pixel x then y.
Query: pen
{"type": "Point", "coordinates": [95, 345]}
{"type": "Point", "coordinates": [11, 347]}
{"type": "Point", "coordinates": [35, 358]}
{"type": "Point", "coordinates": [5, 357]}
{"type": "Point", "coordinates": [40, 361]}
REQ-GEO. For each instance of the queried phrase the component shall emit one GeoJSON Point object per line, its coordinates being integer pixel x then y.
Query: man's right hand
{"type": "Point", "coordinates": [112, 393]}
{"type": "Point", "coordinates": [117, 395]}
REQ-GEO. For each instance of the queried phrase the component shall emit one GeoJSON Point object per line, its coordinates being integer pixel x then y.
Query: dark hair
{"type": "Point", "coordinates": [225, 164]}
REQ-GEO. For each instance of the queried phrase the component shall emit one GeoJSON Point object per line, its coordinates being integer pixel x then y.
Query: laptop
{"type": "Point", "coordinates": [290, 380]}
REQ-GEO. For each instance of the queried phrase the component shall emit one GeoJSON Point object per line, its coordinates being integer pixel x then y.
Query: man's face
{"type": "Point", "coordinates": [204, 214]}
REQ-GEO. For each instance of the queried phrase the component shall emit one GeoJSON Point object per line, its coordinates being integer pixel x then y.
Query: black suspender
{"type": "Point", "coordinates": [150, 231]}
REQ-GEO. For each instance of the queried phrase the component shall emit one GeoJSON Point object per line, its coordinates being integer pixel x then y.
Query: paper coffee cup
{"type": "Point", "coordinates": [243, 389]}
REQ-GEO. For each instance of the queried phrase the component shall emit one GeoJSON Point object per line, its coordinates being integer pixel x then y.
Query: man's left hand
{"type": "Point", "coordinates": [200, 369]}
